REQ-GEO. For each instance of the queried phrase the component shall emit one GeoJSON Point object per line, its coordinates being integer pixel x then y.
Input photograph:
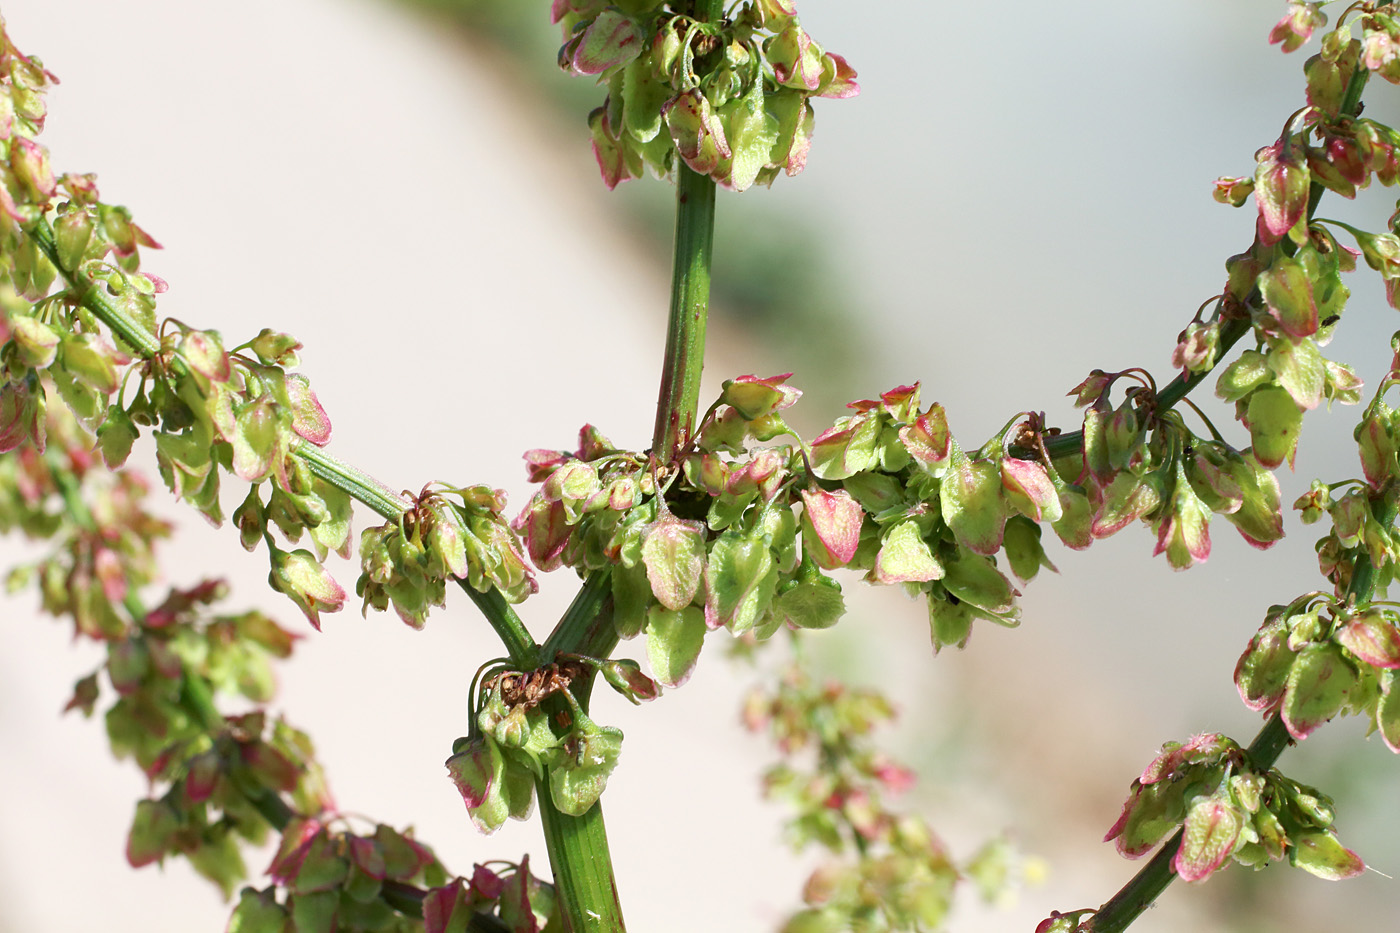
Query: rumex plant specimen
{"type": "Point", "coordinates": [728, 520]}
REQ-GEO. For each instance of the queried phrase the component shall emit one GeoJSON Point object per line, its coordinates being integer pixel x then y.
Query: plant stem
{"type": "Point", "coordinates": [586, 627]}
{"type": "Point", "coordinates": [578, 846]}
{"type": "Point", "coordinates": [679, 397]}
{"type": "Point", "coordinates": [582, 864]}
{"type": "Point", "coordinates": [1147, 885]}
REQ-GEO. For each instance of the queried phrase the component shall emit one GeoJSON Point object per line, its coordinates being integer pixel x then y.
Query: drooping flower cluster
{"type": "Point", "coordinates": [529, 725]}
{"type": "Point", "coordinates": [408, 562]}
{"type": "Point", "coordinates": [1229, 810]}
{"type": "Point", "coordinates": [730, 99]}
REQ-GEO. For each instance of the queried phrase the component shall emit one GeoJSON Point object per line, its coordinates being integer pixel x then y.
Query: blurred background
{"type": "Point", "coordinates": [1020, 194]}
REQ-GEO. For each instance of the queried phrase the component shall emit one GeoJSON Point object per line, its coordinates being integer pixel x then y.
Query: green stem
{"type": "Point", "coordinates": [1147, 885]}
{"type": "Point", "coordinates": [578, 846]}
{"type": "Point", "coordinates": [679, 398]}
{"type": "Point", "coordinates": [519, 644]}
{"type": "Point", "coordinates": [352, 481]}
{"type": "Point", "coordinates": [583, 872]}
{"type": "Point", "coordinates": [587, 625]}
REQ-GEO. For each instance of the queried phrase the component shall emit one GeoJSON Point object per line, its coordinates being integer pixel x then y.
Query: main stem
{"type": "Point", "coordinates": [679, 398]}
{"type": "Point", "coordinates": [578, 845]}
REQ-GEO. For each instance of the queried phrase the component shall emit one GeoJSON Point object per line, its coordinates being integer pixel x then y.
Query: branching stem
{"type": "Point", "coordinates": [1137, 895]}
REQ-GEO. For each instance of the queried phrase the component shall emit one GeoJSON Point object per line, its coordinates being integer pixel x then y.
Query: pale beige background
{"type": "Point", "coordinates": [1022, 192]}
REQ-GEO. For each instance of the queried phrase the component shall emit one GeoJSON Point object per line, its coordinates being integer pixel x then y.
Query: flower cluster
{"type": "Point", "coordinates": [1141, 463]}
{"type": "Point", "coordinates": [1317, 658]}
{"type": "Point", "coordinates": [97, 342]}
{"type": "Point", "coordinates": [407, 562]}
{"type": "Point", "coordinates": [1229, 809]}
{"type": "Point", "coordinates": [333, 879]}
{"type": "Point", "coordinates": [730, 99]}
{"type": "Point", "coordinates": [898, 875]}
{"type": "Point", "coordinates": [745, 536]}
{"type": "Point", "coordinates": [519, 736]}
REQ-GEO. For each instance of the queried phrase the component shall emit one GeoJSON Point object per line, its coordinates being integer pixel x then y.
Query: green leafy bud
{"type": "Point", "coordinates": [752, 131]}
{"type": "Point", "coordinates": [93, 362]}
{"type": "Point", "coordinates": [795, 58]}
{"type": "Point", "coordinates": [1184, 531]}
{"type": "Point", "coordinates": [35, 343]}
{"type": "Point", "coordinates": [1127, 498]}
{"type": "Point", "coordinates": [674, 640]}
{"type": "Point", "coordinates": [625, 676]}
{"type": "Point", "coordinates": [309, 419]}
{"type": "Point", "coordinates": [1150, 813]}
{"type": "Point", "coordinates": [1319, 686]}
{"type": "Point", "coordinates": [545, 526]}
{"type": "Point", "coordinates": [1287, 291]}
{"type": "Point", "coordinates": [1210, 835]}
{"type": "Point", "coordinates": [1243, 376]}
{"type": "Point", "coordinates": [1197, 347]}
{"type": "Point", "coordinates": [753, 397]}
{"type": "Point", "coordinates": [1272, 836]}
{"type": "Point", "coordinates": [1281, 189]}
{"type": "Point", "coordinates": [632, 596]}
{"type": "Point", "coordinates": [1301, 370]}
{"type": "Point", "coordinates": [927, 438]}
{"type": "Point", "coordinates": [1263, 670]}
{"type": "Point", "coordinates": [972, 502]}
{"type": "Point", "coordinates": [611, 39]}
{"type": "Point", "coordinates": [300, 576]}
{"type": "Point", "coordinates": [22, 408]}
{"type": "Point", "coordinates": [1320, 854]}
{"type": "Point", "coordinates": [73, 236]}
{"type": "Point", "coordinates": [674, 553]}
{"type": "Point", "coordinates": [115, 437]}
{"type": "Point", "coordinates": [812, 601]}
{"type": "Point", "coordinates": [257, 439]}
{"type": "Point", "coordinates": [697, 131]}
{"type": "Point", "coordinates": [577, 785]}
{"type": "Point", "coordinates": [1273, 419]}
{"type": "Point", "coordinates": [321, 869]}
{"type": "Point", "coordinates": [1023, 548]}
{"type": "Point", "coordinates": [643, 97]}
{"type": "Point", "coordinates": [203, 352]}
{"type": "Point", "coordinates": [740, 580]}
{"type": "Point", "coordinates": [1030, 490]}
{"type": "Point", "coordinates": [846, 448]}
{"type": "Point", "coordinates": [905, 557]}
{"type": "Point", "coordinates": [314, 913]}
{"type": "Point", "coordinates": [1372, 637]}
{"type": "Point", "coordinates": [152, 833]}
{"type": "Point", "coordinates": [258, 912]}
{"type": "Point", "coordinates": [950, 623]}
{"type": "Point", "coordinates": [1233, 191]}
{"type": "Point", "coordinates": [479, 773]}
{"type": "Point", "coordinates": [30, 162]}
{"type": "Point", "coordinates": [274, 348]}
{"type": "Point", "coordinates": [1376, 441]}
{"type": "Point", "coordinates": [831, 523]}
{"type": "Point", "coordinates": [796, 123]}
{"type": "Point", "coordinates": [976, 581]}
